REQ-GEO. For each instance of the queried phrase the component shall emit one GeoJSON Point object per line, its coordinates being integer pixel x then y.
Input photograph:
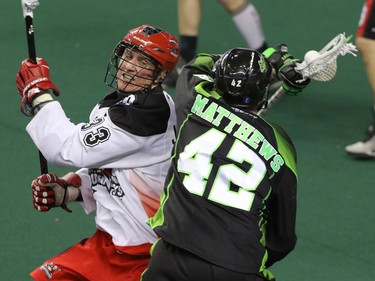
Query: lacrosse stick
{"type": "Point", "coordinates": [28, 7]}
{"type": "Point", "coordinates": [320, 66]}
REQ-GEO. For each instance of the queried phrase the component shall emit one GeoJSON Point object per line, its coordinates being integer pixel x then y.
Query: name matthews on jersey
{"type": "Point", "coordinates": [238, 128]}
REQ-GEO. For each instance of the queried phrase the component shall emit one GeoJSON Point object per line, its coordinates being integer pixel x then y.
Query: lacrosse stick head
{"type": "Point", "coordinates": [323, 67]}
{"type": "Point", "coordinates": [28, 7]}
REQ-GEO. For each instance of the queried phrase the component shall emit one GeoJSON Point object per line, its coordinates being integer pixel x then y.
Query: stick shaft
{"type": "Point", "coordinates": [272, 101]}
{"type": "Point", "coordinates": [30, 38]}
{"type": "Point", "coordinates": [32, 56]}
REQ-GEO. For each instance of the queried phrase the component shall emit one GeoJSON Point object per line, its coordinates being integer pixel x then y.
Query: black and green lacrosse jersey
{"type": "Point", "coordinates": [230, 194]}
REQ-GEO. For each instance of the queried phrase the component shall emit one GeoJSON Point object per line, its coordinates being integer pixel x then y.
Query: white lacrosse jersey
{"type": "Point", "coordinates": [124, 150]}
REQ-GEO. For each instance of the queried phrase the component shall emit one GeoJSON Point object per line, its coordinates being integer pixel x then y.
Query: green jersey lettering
{"type": "Point", "coordinates": [199, 104]}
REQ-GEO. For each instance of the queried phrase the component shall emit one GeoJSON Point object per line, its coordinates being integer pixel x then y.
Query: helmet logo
{"type": "Point", "coordinates": [262, 65]}
{"type": "Point", "coordinates": [247, 100]}
{"type": "Point", "coordinates": [145, 43]}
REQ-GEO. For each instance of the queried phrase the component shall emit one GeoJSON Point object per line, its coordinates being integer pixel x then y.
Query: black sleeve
{"type": "Point", "coordinates": [202, 66]}
{"type": "Point", "coordinates": [184, 88]}
{"type": "Point", "coordinates": [282, 205]}
{"type": "Point", "coordinates": [280, 230]}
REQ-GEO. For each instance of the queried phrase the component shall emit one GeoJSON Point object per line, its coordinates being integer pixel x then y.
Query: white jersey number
{"type": "Point", "coordinates": [196, 162]}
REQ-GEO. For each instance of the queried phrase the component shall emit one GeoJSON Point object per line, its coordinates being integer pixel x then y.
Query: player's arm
{"type": "Point", "coordinates": [196, 71]}
{"type": "Point", "coordinates": [61, 141]}
{"type": "Point", "coordinates": [280, 230]}
{"type": "Point", "coordinates": [282, 204]}
{"type": "Point", "coordinates": [95, 144]}
{"type": "Point", "coordinates": [204, 64]}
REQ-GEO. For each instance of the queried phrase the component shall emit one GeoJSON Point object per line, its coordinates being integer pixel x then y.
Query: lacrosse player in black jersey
{"type": "Point", "coordinates": [228, 209]}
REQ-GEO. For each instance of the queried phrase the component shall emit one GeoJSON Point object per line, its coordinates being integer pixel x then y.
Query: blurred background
{"type": "Point", "coordinates": [335, 195]}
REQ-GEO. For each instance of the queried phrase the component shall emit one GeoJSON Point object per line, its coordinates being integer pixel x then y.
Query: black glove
{"type": "Point", "coordinates": [284, 64]}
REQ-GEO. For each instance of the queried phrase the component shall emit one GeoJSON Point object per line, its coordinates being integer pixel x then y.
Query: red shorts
{"type": "Point", "coordinates": [366, 26]}
{"type": "Point", "coordinates": [96, 259]}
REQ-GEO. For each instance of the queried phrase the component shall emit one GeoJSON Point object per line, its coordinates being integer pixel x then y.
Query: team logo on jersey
{"type": "Point", "coordinates": [128, 100]}
{"type": "Point", "coordinates": [49, 269]}
{"type": "Point", "coordinates": [100, 178]}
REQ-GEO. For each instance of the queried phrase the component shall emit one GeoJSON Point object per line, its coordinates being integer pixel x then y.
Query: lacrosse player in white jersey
{"type": "Point", "coordinates": [123, 149]}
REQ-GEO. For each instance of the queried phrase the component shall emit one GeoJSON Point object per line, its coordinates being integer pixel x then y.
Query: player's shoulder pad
{"type": "Point", "coordinates": [204, 63]}
{"type": "Point", "coordinates": [142, 114]}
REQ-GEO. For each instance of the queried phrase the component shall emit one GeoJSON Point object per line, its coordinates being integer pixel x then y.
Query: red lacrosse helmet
{"type": "Point", "coordinates": [156, 43]}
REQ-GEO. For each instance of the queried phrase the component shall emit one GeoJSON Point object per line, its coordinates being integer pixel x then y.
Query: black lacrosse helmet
{"type": "Point", "coordinates": [242, 78]}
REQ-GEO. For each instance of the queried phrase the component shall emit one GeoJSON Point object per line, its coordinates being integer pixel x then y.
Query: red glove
{"type": "Point", "coordinates": [32, 81]}
{"type": "Point", "coordinates": [49, 191]}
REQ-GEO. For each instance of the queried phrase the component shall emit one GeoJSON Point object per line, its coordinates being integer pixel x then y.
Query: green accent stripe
{"type": "Point", "coordinates": [158, 218]}
{"type": "Point", "coordinates": [268, 52]}
{"type": "Point", "coordinates": [286, 151]}
{"type": "Point", "coordinates": [200, 89]}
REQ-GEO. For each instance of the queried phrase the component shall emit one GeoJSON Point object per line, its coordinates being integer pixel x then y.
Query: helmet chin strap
{"type": "Point", "coordinates": [161, 75]}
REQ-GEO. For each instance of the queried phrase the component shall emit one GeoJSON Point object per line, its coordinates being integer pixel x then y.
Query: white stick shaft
{"type": "Point", "coordinates": [272, 101]}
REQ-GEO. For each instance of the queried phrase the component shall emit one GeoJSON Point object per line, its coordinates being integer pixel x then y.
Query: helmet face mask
{"type": "Point", "coordinates": [242, 77]}
{"type": "Point", "coordinates": [127, 74]}
{"type": "Point", "coordinates": [142, 59]}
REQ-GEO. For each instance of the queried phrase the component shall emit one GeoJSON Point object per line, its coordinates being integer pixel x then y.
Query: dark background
{"type": "Point", "coordinates": [335, 194]}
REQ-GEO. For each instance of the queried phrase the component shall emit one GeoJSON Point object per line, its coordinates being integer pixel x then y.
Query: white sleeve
{"type": "Point", "coordinates": [91, 145]}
